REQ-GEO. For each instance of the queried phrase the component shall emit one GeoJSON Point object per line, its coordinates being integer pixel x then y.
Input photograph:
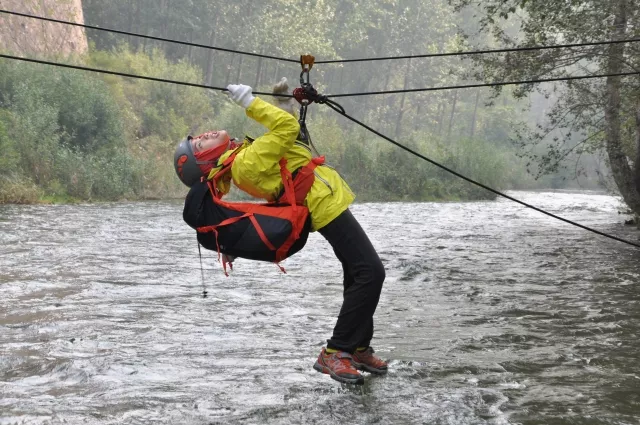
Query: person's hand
{"type": "Point", "coordinates": [282, 87]}
{"type": "Point", "coordinates": [284, 103]}
{"type": "Point", "coordinates": [241, 94]}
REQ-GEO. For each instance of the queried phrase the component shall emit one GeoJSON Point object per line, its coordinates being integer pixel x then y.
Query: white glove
{"type": "Point", "coordinates": [241, 94]}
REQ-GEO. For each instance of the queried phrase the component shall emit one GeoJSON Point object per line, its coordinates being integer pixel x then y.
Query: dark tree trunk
{"type": "Point", "coordinates": [136, 41]}
{"type": "Point", "coordinates": [229, 69]}
{"type": "Point", "coordinates": [623, 175]}
{"type": "Point", "coordinates": [441, 109]}
{"type": "Point", "coordinates": [211, 53]}
{"type": "Point", "coordinates": [259, 71]}
{"type": "Point", "coordinates": [453, 113]}
{"type": "Point", "coordinates": [637, 161]}
{"type": "Point", "coordinates": [362, 87]}
{"type": "Point", "coordinates": [190, 51]}
{"type": "Point", "coordinates": [239, 74]}
{"type": "Point", "coordinates": [130, 29]}
{"type": "Point", "coordinates": [475, 115]}
{"type": "Point", "coordinates": [403, 99]}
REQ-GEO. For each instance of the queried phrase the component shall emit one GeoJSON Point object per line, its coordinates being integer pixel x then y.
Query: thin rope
{"type": "Point", "coordinates": [496, 84]}
{"type": "Point", "coordinates": [124, 74]}
{"type": "Point", "coordinates": [428, 89]}
{"type": "Point", "coordinates": [449, 170]}
{"type": "Point", "coordinates": [332, 61]}
{"type": "Point", "coordinates": [149, 37]}
{"type": "Point", "coordinates": [204, 285]}
{"type": "Point", "coordinates": [484, 52]}
{"type": "Point", "coordinates": [340, 110]}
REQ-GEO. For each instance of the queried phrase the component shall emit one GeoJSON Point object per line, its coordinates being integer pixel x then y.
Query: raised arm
{"type": "Point", "coordinates": [283, 128]}
{"type": "Point", "coordinates": [283, 131]}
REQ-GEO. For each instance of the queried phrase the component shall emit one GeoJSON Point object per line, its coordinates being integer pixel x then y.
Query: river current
{"type": "Point", "coordinates": [490, 314]}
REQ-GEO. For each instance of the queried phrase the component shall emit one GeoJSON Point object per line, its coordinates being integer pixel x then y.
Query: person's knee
{"type": "Point", "coordinates": [370, 274]}
{"type": "Point", "coordinates": [378, 273]}
{"type": "Point", "coordinates": [382, 274]}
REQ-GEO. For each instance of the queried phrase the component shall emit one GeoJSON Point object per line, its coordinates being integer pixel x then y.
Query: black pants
{"type": "Point", "coordinates": [363, 277]}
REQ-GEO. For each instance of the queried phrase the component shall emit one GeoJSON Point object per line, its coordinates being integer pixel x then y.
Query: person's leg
{"type": "Point", "coordinates": [364, 275]}
{"type": "Point", "coordinates": [348, 280]}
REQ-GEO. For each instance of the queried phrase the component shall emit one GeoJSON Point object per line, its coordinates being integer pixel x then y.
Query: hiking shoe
{"type": "Point", "coordinates": [366, 360]}
{"type": "Point", "coordinates": [339, 366]}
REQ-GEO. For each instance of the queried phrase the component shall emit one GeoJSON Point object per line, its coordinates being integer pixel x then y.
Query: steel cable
{"type": "Point", "coordinates": [495, 84]}
{"type": "Point", "coordinates": [463, 177]}
{"type": "Point", "coordinates": [337, 108]}
{"type": "Point", "coordinates": [124, 74]}
{"type": "Point", "coordinates": [331, 61]}
{"type": "Point", "coordinates": [149, 37]}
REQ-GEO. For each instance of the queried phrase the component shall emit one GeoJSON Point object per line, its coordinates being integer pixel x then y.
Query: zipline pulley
{"type": "Point", "coordinates": [304, 95]}
{"type": "Point", "coordinates": [305, 92]}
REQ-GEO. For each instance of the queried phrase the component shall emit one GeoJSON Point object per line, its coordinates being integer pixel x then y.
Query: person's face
{"type": "Point", "coordinates": [210, 140]}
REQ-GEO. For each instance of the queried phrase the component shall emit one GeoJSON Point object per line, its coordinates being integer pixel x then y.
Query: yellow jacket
{"type": "Point", "coordinates": [256, 169]}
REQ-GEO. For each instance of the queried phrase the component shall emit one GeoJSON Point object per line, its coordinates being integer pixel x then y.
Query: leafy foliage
{"type": "Point", "coordinates": [106, 137]}
{"type": "Point", "coordinates": [77, 135]}
{"type": "Point", "coordinates": [584, 117]}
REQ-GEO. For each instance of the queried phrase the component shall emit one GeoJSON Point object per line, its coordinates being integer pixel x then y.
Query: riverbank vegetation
{"type": "Point", "coordinates": [75, 136]}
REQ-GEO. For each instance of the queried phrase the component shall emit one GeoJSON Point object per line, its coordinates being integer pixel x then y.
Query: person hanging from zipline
{"type": "Point", "coordinates": [303, 195]}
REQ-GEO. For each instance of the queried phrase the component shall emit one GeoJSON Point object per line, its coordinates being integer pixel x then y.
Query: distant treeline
{"type": "Point", "coordinates": [69, 135]}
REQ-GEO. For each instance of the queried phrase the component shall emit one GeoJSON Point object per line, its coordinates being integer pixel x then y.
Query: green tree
{"type": "Point", "coordinates": [9, 156]}
{"type": "Point", "coordinates": [588, 115]}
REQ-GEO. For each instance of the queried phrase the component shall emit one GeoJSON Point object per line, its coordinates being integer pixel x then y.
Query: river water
{"type": "Point", "coordinates": [490, 314]}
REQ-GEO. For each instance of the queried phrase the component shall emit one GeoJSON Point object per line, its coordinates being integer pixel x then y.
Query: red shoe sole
{"type": "Point", "coordinates": [320, 368]}
{"type": "Point", "coordinates": [366, 368]}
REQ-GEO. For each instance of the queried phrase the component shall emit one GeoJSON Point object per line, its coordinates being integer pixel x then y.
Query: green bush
{"type": "Point", "coordinates": [85, 136]}
{"type": "Point", "coordinates": [71, 135]}
{"type": "Point", "coordinates": [9, 155]}
{"type": "Point", "coordinates": [78, 106]}
{"type": "Point", "coordinates": [17, 190]}
{"type": "Point", "coordinates": [156, 109]}
{"type": "Point", "coordinates": [377, 170]}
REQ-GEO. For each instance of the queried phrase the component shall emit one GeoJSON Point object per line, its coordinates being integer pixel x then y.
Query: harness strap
{"type": "Point", "coordinates": [295, 191]}
{"type": "Point", "coordinates": [261, 233]}
{"type": "Point", "coordinates": [214, 230]}
{"type": "Point", "coordinates": [225, 167]}
{"type": "Point", "coordinates": [209, 229]}
{"type": "Point", "coordinates": [304, 179]}
{"type": "Point", "coordinates": [287, 181]}
{"type": "Point", "coordinates": [301, 180]}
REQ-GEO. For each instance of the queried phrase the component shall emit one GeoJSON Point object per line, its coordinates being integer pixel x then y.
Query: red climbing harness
{"type": "Point", "coordinates": [266, 232]}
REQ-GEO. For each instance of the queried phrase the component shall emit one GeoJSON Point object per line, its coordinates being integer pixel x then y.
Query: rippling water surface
{"type": "Point", "coordinates": [490, 314]}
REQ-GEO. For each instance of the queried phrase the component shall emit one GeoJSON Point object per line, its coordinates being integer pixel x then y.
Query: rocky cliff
{"type": "Point", "coordinates": [25, 35]}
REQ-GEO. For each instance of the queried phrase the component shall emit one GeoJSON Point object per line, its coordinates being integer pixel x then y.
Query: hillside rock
{"type": "Point", "coordinates": [26, 35]}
